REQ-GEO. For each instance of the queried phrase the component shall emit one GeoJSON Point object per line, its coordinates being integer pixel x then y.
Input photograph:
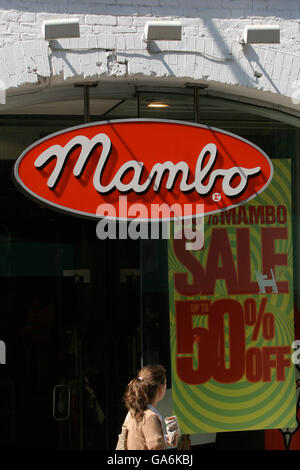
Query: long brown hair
{"type": "Point", "coordinates": [142, 389]}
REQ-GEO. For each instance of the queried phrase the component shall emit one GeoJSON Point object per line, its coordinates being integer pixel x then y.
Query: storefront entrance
{"type": "Point", "coordinates": [79, 315]}
{"type": "Point", "coordinates": [70, 320]}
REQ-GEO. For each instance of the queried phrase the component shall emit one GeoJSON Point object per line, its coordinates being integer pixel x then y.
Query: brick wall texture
{"type": "Point", "coordinates": [111, 43]}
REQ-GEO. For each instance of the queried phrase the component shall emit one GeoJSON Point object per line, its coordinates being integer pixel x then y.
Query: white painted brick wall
{"type": "Point", "coordinates": [113, 29]}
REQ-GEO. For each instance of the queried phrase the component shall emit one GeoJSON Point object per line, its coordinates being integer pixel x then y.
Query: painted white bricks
{"type": "Point", "coordinates": [113, 29]}
{"type": "Point", "coordinates": [101, 19]}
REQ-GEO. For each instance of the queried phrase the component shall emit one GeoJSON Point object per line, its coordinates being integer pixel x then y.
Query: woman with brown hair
{"type": "Point", "coordinates": [143, 421]}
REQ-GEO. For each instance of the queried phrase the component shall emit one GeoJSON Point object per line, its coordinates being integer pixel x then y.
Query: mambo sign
{"type": "Point", "coordinates": [156, 164]}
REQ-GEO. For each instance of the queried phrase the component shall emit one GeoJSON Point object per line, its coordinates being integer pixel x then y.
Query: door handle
{"type": "Point", "coordinates": [61, 402]}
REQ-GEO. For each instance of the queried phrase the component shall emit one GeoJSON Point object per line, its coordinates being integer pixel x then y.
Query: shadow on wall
{"type": "Point", "coordinates": [231, 10]}
{"type": "Point", "coordinates": [258, 69]}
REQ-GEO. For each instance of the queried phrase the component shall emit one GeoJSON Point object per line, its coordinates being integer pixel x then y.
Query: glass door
{"type": "Point", "coordinates": [70, 321]}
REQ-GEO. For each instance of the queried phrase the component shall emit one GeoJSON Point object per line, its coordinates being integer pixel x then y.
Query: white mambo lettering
{"type": "Point", "coordinates": [202, 172]}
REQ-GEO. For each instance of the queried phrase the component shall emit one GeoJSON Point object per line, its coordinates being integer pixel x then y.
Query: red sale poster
{"type": "Point", "coordinates": [288, 438]}
{"type": "Point", "coordinates": [232, 317]}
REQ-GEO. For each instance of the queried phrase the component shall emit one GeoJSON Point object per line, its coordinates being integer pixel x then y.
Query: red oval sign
{"type": "Point", "coordinates": [143, 169]}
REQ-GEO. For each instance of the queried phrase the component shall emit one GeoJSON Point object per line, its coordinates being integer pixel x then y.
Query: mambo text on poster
{"type": "Point", "coordinates": [231, 317]}
{"type": "Point", "coordinates": [154, 162]}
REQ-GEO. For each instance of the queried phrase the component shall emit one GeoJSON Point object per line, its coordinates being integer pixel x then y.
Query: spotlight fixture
{"type": "Point", "coordinates": [58, 29]}
{"type": "Point", "coordinates": [162, 30]}
{"type": "Point", "coordinates": [157, 104]}
{"type": "Point", "coordinates": [261, 34]}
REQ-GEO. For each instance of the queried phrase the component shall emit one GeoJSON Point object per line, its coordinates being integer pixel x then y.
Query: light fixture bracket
{"type": "Point", "coordinates": [59, 29]}
{"type": "Point", "coordinates": [261, 34]}
{"type": "Point", "coordinates": [162, 31]}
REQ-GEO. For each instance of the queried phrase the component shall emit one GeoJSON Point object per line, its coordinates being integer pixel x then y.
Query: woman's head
{"type": "Point", "coordinates": [147, 387]}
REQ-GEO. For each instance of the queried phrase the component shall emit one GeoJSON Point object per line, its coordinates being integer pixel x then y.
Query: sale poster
{"type": "Point", "coordinates": [231, 317]}
{"type": "Point", "coordinates": [288, 438]}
